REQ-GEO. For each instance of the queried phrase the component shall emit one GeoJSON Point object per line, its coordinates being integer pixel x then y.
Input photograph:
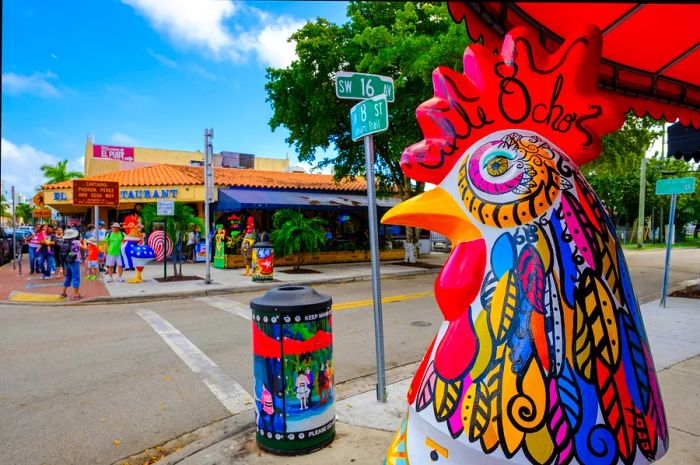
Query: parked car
{"type": "Point", "coordinates": [20, 234]}
{"type": "Point", "coordinates": [5, 247]}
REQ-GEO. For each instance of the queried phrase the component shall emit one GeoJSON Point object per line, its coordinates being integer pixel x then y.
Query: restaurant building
{"type": "Point", "coordinates": [243, 187]}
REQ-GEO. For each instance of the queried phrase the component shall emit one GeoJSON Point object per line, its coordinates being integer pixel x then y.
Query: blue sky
{"type": "Point", "coordinates": [146, 73]}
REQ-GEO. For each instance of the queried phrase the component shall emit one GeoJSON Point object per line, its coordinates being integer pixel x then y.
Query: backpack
{"type": "Point", "coordinates": [67, 252]}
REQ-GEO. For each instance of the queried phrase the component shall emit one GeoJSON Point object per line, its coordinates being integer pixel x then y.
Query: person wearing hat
{"type": "Point", "coordinates": [71, 253]}
{"type": "Point", "coordinates": [101, 233]}
{"type": "Point", "coordinates": [114, 240]}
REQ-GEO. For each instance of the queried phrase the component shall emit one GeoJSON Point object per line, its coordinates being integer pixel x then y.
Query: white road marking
{"type": "Point", "coordinates": [227, 305]}
{"type": "Point", "coordinates": [226, 389]}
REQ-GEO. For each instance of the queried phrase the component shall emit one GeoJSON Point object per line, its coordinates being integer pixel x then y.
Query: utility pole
{"type": "Point", "coordinates": [14, 230]}
{"type": "Point", "coordinates": [208, 197]}
{"type": "Point", "coordinates": [642, 195]}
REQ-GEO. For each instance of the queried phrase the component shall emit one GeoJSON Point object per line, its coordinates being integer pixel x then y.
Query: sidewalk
{"type": "Point", "coordinates": [30, 288]}
{"type": "Point", "coordinates": [364, 428]}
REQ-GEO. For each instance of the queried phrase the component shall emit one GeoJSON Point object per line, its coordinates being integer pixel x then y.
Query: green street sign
{"type": "Point", "coordinates": [359, 86]}
{"type": "Point", "coordinates": [675, 186]}
{"type": "Point", "coordinates": [369, 116]}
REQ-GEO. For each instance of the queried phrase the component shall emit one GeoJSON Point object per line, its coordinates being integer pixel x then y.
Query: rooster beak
{"type": "Point", "coordinates": [437, 211]}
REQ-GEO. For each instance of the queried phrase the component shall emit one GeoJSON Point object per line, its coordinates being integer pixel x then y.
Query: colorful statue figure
{"type": "Point", "coordinates": [219, 247]}
{"type": "Point", "coordinates": [542, 357]}
{"type": "Point", "coordinates": [247, 245]}
{"type": "Point", "coordinates": [135, 251]}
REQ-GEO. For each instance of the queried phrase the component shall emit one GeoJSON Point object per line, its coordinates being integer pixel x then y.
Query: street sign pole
{"type": "Point", "coordinates": [669, 241]}
{"type": "Point", "coordinates": [165, 251]}
{"type": "Point", "coordinates": [642, 198]}
{"type": "Point", "coordinates": [376, 284]}
{"type": "Point", "coordinates": [208, 197]}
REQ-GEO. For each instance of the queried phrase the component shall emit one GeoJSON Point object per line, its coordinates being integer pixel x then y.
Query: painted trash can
{"type": "Point", "coordinates": [293, 370]}
{"type": "Point", "coordinates": [263, 261]}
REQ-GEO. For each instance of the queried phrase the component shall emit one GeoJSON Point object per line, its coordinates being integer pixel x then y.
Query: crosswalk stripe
{"type": "Point", "coordinates": [227, 305]}
{"type": "Point", "coordinates": [231, 394]}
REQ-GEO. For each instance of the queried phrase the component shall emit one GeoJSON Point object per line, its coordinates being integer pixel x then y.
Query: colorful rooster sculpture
{"type": "Point", "coordinates": [543, 357]}
{"type": "Point", "coordinates": [135, 250]}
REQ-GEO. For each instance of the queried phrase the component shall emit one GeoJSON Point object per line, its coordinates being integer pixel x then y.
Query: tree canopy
{"type": "Point", "coordinates": [59, 172]}
{"type": "Point", "coordinates": [402, 40]}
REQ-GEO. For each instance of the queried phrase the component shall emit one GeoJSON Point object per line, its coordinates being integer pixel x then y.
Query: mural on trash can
{"type": "Point", "coordinates": [298, 389]}
{"type": "Point", "coordinates": [543, 357]}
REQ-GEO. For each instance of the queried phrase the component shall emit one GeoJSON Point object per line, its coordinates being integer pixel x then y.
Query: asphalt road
{"type": "Point", "coordinates": [94, 384]}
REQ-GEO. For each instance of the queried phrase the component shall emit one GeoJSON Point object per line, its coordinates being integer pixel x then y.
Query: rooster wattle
{"type": "Point", "coordinates": [543, 357]}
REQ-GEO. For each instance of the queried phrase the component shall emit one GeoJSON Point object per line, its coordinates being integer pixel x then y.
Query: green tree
{"type": "Point", "coordinates": [403, 40]}
{"type": "Point", "coordinates": [59, 172]}
{"type": "Point", "coordinates": [295, 234]}
{"type": "Point", "coordinates": [614, 176]}
{"type": "Point", "coordinates": [177, 227]}
{"type": "Point", "coordinates": [24, 211]}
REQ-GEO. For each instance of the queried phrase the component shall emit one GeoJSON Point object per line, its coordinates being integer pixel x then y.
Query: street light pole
{"type": "Point", "coordinates": [208, 197]}
{"type": "Point", "coordinates": [642, 198]}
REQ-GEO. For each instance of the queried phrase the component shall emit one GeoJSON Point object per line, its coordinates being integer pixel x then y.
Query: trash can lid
{"type": "Point", "coordinates": [292, 299]}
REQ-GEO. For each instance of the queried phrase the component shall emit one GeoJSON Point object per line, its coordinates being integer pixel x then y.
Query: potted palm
{"type": "Point", "coordinates": [177, 226]}
{"type": "Point", "coordinates": [295, 234]}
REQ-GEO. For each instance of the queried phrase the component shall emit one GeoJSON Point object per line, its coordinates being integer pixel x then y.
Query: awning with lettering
{"type": "Point", "coordinates": [264, 199]}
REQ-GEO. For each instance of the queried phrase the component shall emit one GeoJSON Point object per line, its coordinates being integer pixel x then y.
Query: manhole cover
{"type": "Point", "coordinates": [421, 323]}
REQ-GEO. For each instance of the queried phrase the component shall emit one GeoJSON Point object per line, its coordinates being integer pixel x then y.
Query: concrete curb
{"type": "Point", "coordinates": [220, 290]}
{"type": "Point", "coordinates": [244, 422]}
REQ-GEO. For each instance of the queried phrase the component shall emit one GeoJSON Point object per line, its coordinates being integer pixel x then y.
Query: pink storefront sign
{"type": "Point", "coordinates": [111, 152]}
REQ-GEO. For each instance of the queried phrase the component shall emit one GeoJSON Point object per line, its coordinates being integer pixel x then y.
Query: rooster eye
{"type": "Point", "coordinates": [497, 166]}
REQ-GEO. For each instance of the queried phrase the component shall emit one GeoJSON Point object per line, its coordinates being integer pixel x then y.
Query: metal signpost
{"type": "Point", "coordinates": [359, 86]}
{"type": "Point", "coordinates": [165, 208]}
{"type": "Point", "coordinates": [672, 187]}
{"type": "Point", "coordinates": [208, 197]}
{"type": "Point", "coordinates": [368, 117]}
{"type": "Point", "coordinates": [14, 230]}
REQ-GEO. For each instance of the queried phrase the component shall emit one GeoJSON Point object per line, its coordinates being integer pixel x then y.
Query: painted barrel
{"type": "Point", "coordinates": [263, 261]}
{"type": "Point", "coordinates": [293, 370]}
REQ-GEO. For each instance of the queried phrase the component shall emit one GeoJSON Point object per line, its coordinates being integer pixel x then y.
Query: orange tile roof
{"type": "Point", "coordinates": [177, 175]}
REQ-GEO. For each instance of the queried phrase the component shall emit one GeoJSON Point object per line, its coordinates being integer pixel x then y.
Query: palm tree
{"type": "Point", "coordinates": [295, 234]}
{"type": "Point", "coordinates": [177, 226]}
{"type": "Point", "coordinates": [24, 211]}
{"type": "Point", "coordinates": [59, 172]}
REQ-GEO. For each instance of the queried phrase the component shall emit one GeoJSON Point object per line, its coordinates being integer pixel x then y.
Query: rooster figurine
{"type": "Point", "coordinates": [134, 248]}
{"type": "Point", "coordinates": [542, 357]}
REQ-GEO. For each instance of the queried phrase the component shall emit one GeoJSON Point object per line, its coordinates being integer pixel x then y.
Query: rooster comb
{"type": "Point", "coordinates": [524, 87]}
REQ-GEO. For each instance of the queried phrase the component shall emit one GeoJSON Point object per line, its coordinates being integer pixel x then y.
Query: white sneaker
{"type": "Point", "coordinates": [109, 280]}
{"type": "Point", "coordinates": [121, 280]}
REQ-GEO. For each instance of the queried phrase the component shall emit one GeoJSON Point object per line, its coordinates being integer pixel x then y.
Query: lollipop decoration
{"type": "Point", "coordinates": [155, 241]}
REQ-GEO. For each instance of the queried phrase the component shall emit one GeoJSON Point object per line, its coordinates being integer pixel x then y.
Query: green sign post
{"type": "Point", "coordinates": [359, 86]}
{"type": "Point", "coordinates": [672, 187]}
{"type": "Point", "coordinates": [369, 116]}
{"type": "Point", "coordinates": [366, 118]}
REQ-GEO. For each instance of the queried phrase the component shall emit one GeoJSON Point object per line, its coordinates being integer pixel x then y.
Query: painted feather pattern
{"type": "Point", "coordinates": [560, 372]}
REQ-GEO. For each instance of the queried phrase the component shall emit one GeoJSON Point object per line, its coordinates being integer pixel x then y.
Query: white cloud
{"type": "Point", "coordinates": [272, 46]}
{"type": "Point", "coordinates": [122, 139]}
{"type": "Point", "coordinates": [20, 166]}
{"type": "Point", "coordinates": [217, 28]}
{"type": "Point", "coordinates": [195, 23]}
{"type": "Point", "coordinates": [37, 84]}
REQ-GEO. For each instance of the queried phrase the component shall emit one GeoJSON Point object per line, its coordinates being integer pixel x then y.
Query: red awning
{"type": "Point", "coordinates": [651, 52]}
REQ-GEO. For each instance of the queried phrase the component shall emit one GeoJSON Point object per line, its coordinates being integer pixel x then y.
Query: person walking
{"type": "Point", "coordinates": [33, 243]}
{"type": "Point", "coordinates": [50, 243]}
{"type": "Point", "coordinates": [71, 252]}
{"type": "Point", "coordinates": [190, 245]}
{"type": "Point", "coordinates": [113, 240]}
{"type": "Point", "coordinates": [58, 240]}
{"type": "Point", "coordinates": [101, 233]}
{"type": "Point", "coordinates": [43, 253]}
